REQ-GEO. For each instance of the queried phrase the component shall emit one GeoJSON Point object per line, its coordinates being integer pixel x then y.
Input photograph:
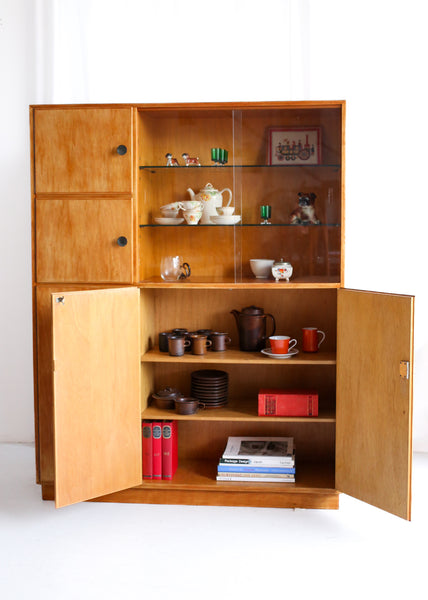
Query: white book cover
{"type": "Point", "coordinates": [260, 450]}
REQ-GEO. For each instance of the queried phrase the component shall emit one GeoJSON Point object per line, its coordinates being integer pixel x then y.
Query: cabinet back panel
{"type": "Point", "coordinates": [210, 309]}
{"type": "Point", "coordinates": [207, 440]}
{"type": "Point", "coordinates": [209, 251]}
{"type": "Point", "coordinates": [183, 131]}
{"type": "Point", "coordinates": [245, 383]}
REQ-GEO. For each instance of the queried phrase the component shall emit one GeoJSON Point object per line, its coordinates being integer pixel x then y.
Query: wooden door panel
{"type": "Point", "coordinates": [76, 150]}
{"type": "Point", "coordinates": [374, 403]}
{"type": "Point", "coordinates": [97, 417]}
{"type": "Point", "coordinates": [44, 401]}
{"type": "Point", "coordinates": [77, 240]}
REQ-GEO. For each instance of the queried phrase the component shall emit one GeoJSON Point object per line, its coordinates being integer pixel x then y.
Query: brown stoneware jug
{"type": "Point", "coordinates": [251, 322]}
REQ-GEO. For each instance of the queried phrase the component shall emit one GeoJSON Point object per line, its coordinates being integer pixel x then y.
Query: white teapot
{"type": "Point", "coordinates": [211, 199]}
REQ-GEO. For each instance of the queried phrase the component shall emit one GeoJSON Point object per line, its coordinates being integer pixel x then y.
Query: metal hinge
{"type": "Point", "coordinates": [60, 300]}
{"type": "Point", "coordinates": [404, 369]}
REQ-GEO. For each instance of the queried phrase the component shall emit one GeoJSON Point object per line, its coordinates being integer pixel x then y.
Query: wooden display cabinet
{"type": "Point", "coordinates": [97, 360]}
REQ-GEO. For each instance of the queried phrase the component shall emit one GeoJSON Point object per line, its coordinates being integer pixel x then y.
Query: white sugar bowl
{"type": "Point", "coordinates": [282, 270]}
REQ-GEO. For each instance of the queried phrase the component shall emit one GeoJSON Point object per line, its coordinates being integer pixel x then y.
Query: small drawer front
{"type": "Point", "coordinates": [83, 150]}
{"type": "Point", "coordinates": [84, 240]}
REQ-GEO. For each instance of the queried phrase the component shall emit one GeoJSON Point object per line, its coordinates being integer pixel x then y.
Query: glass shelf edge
{"type": "Point", "coordinates": [332, 225]}
{"type": "Point", "coordinates": [258, 166]}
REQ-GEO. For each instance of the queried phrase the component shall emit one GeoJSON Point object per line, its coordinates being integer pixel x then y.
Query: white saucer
{"type": "Point", "coordinates": [168, 221]}
{"type": "Point", "coordinates": [226, 220]}
{"type": "Point", "coordinates": [267, 352]}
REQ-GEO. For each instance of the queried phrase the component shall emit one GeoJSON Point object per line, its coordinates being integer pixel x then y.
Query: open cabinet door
{"type": "Point", "coordinates": [374, 398]}
{"type": "Point", "coordinates": [97, 418]}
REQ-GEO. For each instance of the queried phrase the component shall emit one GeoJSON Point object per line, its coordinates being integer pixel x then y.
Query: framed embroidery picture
{"type": "Point", "coordinates": [294, 146]}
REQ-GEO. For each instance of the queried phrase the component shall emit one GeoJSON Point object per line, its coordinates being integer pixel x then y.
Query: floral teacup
{"type": "Point", "coordinates": [192, 216]}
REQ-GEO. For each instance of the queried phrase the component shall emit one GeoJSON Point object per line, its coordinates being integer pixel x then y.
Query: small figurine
{"type": "Point", "coordinates": [304, 214]}
{"type": "Point", "coordinates": [191, 161]}
{"type": "Point", "coordinates": [170, 161]}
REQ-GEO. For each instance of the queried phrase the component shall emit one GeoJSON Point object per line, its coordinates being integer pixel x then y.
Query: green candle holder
{"type": "Point", "coordinates": [265, 214]}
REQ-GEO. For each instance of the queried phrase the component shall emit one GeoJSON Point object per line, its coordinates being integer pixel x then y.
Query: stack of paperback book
{"type": "Point", "coordinates": [159, 449]}
{"type": "Point", "coordinates": [258, 459]}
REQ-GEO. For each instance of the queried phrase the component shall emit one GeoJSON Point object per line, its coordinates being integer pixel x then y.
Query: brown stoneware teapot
{"type": "Point", "coordinates": [251, 322]}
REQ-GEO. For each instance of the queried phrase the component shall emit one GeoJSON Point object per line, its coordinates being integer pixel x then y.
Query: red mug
{"type": "Point", "coordinates": [311, 342]}
{"type": "Point", "coordinates": [281, 344]}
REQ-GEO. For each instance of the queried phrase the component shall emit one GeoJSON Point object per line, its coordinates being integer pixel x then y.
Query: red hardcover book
{"type": "Point", "coordinates": [147, 450]}
{"type": "Point", "coordinates": [157, 449]}
{"type": "Point", "coordinates": [169, 449]}
{"type": "Point", "coordinates": [288, 403]}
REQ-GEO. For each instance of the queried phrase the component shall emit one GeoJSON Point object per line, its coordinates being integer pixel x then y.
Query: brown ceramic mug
{"type": "Point", "coordinates": [177, 344]}
{"type": "Point", "coordinates": [187, 406]}
{"type": "Point", "coordinates": [220, 341]}
{"type": "Point", "coordinates": [200, 343]}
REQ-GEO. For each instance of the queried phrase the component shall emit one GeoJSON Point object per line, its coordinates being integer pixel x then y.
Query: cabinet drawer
{"type": "Point", "coordinates": [83, 150]}
{"type": "Point", "coordinates": [84, 240]}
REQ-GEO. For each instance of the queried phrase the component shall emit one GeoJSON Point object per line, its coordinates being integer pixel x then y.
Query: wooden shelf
{"type": "Point", "coordinates": [195, 483]}
{"type": "Point", "coordinates": [241, 284]}
{"type": "Point", "coordinates": [237, 410]}
{"type": "Point", "coordinates": [235, 356]}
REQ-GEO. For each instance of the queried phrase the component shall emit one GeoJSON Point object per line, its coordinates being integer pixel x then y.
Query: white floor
{"type": "Point", "coordinates": [94, 550]}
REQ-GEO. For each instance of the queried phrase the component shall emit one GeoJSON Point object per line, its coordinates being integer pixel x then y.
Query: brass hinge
{"type": "Point", "coordinates": [404, 369]}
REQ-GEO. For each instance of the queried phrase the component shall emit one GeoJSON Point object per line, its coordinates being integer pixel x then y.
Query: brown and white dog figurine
{"type": "Point", "coordinates": [191, 161]}
{"type": "Point", "coordinates": [304, 214]}
{"type": "Point", "coordinates": [170, 161]}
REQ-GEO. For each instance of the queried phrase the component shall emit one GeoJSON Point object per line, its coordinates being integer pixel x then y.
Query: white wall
{"type": "Point", "coordinates": [369, 52]}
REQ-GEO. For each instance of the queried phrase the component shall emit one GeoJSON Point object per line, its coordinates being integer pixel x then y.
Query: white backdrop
{"type": "Point", "coordinates": [371, 53]}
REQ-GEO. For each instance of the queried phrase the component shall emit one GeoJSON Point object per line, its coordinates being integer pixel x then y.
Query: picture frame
{"type": "Point", "coordinates": [291, 146]}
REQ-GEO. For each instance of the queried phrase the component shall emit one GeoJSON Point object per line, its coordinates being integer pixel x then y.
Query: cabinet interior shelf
{"type": "Point", "coordinates": [216, 283]}
{"type": "Point", "coordinates": [201, 475]}
{"type": "Point", "coordinates": [236, 410]}
{"type": "Point", "coordinates": [235, 356]}
{"type": "Point", "coordinates": [152, 168]}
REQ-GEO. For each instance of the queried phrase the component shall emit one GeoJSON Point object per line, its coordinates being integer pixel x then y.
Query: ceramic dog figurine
{"type": "Point", "coordinates": [191, 160]}
{"type": "Point", "coordinates": [304, 214]}
{"type": "Point", "coordinates": [170, 161]}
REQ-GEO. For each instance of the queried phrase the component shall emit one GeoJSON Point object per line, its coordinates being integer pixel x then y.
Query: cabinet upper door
{"type": "Point", "coordinates": [79, 239]}
{"type": "Point", "coordinates": [97, 417]}
{"type": "Point", "coordinates": [374, 398]}
{"type": "Point", "coordinates": [83, 150]}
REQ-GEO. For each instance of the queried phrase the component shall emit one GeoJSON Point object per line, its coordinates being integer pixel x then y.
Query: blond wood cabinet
{"type": "Point", "coordinates": [97, 356]}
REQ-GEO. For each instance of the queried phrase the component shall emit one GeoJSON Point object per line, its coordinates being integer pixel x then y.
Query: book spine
{"type": "Point", "coordinates": [157, 449]}
{"type": "Point", "coordinates": [256, 479]}
{"type": "Point", "coordinates": [169, 449]}
{"type": "Point", "coordinates": [297, 404]}
{"type": "Point", "coordinates": [147, 450]}
{"type": "Point", "coordinates": [249, 469]}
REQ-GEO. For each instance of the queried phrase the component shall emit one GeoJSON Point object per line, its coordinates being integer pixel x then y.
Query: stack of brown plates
{"type": "Point", "coordinates": [210, 387]}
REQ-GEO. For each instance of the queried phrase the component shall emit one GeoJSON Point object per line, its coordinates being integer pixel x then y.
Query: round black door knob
{"type": "Point", "coordinates": [121, 149]}
{"type": "Point", "coordinates": [122, 241]}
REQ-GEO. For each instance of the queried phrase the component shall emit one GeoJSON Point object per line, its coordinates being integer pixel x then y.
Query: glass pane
{"type": "Point", "coordinates": [285, 159]}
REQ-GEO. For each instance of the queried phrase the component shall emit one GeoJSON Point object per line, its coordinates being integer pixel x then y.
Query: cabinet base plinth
{"type": "Point", "coordinates": [316, 500]}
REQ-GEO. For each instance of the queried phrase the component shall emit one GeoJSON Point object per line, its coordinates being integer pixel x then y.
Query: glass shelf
{"type": "Point", "coordinates": [323, 225]}
{"type": "Point", "coordinates": [258, 166]}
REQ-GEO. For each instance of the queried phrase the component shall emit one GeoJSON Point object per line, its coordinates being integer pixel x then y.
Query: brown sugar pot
{"type": "Point", "coordinates": [251, 322]}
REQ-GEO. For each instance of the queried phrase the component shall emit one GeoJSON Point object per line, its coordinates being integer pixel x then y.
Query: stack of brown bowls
{"type": "Point", "coordinates": [210, 387]}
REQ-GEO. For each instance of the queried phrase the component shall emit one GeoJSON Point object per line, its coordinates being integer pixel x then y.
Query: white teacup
{"type": "Point", "coordinates": [192, 216]}
{"type": "Point", "coordinates": [171, 206]}
{"type": "Point", "coordinates": [191, 205]}
{"type": "Point", "coordinates": [225, 211]}
{"type": "Point", "coordinates": [170, 213]}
